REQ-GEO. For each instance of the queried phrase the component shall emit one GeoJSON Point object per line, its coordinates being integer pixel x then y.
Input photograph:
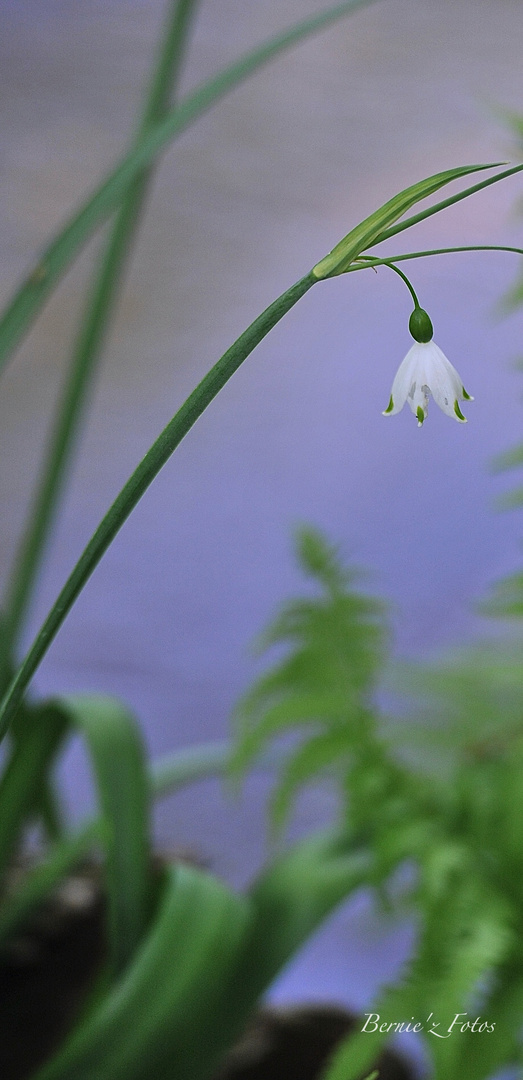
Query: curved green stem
{"type": "Point", "coordinates": [372, 261]}
{"type": "Point", "coordinates": [90, 339]}
{"type": "Point", "coordinates": [405, 279]}
{"type": "Point", "coordinates": [138, 483]}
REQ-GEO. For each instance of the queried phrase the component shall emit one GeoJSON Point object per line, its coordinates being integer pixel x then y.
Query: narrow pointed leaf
{"type": "Point", "coordinates": [164, 1018]}
{"type": "Point", "coordinates": [87, 349]}
{"type": "Point", "coordinates": [139, 481]}
{"type": "Point", "coordinates": [445, 203]}
{"type": "Point", "coordinates": [360, 1049]}
{"type": "Point", "coordinates": [117, 754]}
{"type": "Point", "coordinates": [173, 771]}
{"type": "Point", "coordinates": [38, 736]}
{"type": "Point", "coordinates": [185, 766]}
{"type": "Point", "coordinates": [292, 898]}
{"type": "Point", "coordinates": [367, 232]}
{"type": "Point", "coordinates": [66, 245]}
{"type": "Point", "coordinates": [45, 877]}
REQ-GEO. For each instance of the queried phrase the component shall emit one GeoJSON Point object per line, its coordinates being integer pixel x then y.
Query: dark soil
{"type": "Point", "coordinates": [45, 974]}
{"type": "Point", "coordinates": [48, 969]}
{"type": "Point", "coordinates": [296, 1044]}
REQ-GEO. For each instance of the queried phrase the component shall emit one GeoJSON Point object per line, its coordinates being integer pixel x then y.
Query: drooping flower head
{"type": "Point", "coordinates": [426, 370]}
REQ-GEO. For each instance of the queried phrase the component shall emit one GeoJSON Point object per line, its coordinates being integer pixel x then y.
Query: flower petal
{"type": "Point", "coordinates": [403, 381]}
{"type": "Point", "coordinates": [445, 384]}
{"type": "Point", "coordinates": [424, 371]}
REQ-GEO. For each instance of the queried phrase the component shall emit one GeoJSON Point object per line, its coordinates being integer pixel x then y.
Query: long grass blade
{"type": "Point", "coordinates": [118, 758]}
{"type": "Point", "coordinates": [63, 249]}
{"type": "Point", "coordinates": [208, 957]}
{"type": "Point", "coordinates": [90, 339]}
{"type": "Point", "coordinates": [38, 736]}
{"type": "Point", "coordinates": [162, 1020]}
{"type": "Point", "coordinates": [292, 898]}
{"type": "Point", "coordinates": [138, 483]}
{"type": "Point", "coordinates": [166, 776]}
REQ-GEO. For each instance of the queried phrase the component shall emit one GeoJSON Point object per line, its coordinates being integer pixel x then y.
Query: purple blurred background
{"type": "Point", "coordinates": [242, 206]}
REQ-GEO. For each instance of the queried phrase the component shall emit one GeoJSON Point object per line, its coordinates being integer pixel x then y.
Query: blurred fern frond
{"type": "Point", "coordinates": [464, 699]}
{"type": "Point", "coordinates": [334, 644]}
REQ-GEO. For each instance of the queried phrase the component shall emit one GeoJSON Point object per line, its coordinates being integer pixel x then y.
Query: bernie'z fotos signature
{"type": "Point", "coordinates": [460, 1023]}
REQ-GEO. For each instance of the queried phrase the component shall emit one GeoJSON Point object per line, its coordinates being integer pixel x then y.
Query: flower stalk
{"type": "Point", "coordinates": [425, 370]}
{"type": "Point", "coordinates": [138, 483]}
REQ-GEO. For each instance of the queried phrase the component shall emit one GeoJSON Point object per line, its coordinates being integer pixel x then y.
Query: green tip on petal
{"type": "Point", "coordinates": [390, 407]}
{"type": "Point", "coordinates": [420, 326]}
{"type": "Point", "coordinates": [459, 413]}
{"type": "Point", "coordinates": [420, 415]}
{"type": "Point", "coordinates": [466, 397]}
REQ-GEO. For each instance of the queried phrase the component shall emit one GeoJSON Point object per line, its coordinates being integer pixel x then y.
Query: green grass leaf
{"type": "Point", "coordinates": [137, 484]}
{"type": "Point", "coordinates": [393, 230]}
{"type": "Point", "coordinates": [166, 775]}
{"type": "Point", "coordinates": [168, 1015]}
{"type": "Point", "coordinates": [205, 961]}
{"type": "Point", "coordinates": [290, 900]}
{"type": "Point", "coordinates": [373, 229]}
{"type": "Point", "coordinates": [358, 1051]}
{"type": "Point", "coordinates": [37, 738]}
{"type": "Point", "coordinates": [192, 763]}
{"type": "Point", "coordinates": [66, 245]}
{"type": "Point", "coordinates": [42, 879]}
{"type": "Point", "coordinates": [101, 298]}
{"type": "Point", "coordinates": [118, 759]}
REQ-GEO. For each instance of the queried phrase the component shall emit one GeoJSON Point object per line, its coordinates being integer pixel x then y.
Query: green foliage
{"type": "Point", "coordinates": [187, 958]}
{"type": "Point", "coordinates": [461, 829]}
{"type": "Point", "coordinates": [507, 595]}
{"type": "Point", "coordinates": [380, 225]}
{"type": "Point", "coordinates": [118, 758]}
{"type": "Point", "coordinates": [56, 259]}
{"type": "Point", "coordinates": [335, 643]}
{"type": "Point", "coordinates": [467, 698]}
{"type": "Point", "coordinates": [183, 967]}
{"type": "Point", "coordinates": [172, 991]}
{"type": "Point", "coordinates": [36, 738]}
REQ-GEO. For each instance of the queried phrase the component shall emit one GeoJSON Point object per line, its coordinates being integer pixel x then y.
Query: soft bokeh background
{"type": "Point", "coordinates": [243, 205]}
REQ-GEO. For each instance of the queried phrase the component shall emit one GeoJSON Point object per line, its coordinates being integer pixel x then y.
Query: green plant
{"type": "Point", "coordinates": [443, 794]}
{"type": "Point", "coordinates": [188, 958]}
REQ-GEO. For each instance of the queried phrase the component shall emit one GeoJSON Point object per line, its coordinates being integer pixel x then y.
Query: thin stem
{"type": "Point", "coordinates": [371, 261]}
{"type": "Point", "coordinates": [405, 279]}
{"type": "Point", "coordinates": [407, 223]}
{"type": "Point", "coordinates": [138, 483]}
{"type": "Point", "coordinates": [90, 339]}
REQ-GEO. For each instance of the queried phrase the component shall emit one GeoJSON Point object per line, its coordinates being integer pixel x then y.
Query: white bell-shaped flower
{"type": "Point", "coordinates": [424, 371]}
